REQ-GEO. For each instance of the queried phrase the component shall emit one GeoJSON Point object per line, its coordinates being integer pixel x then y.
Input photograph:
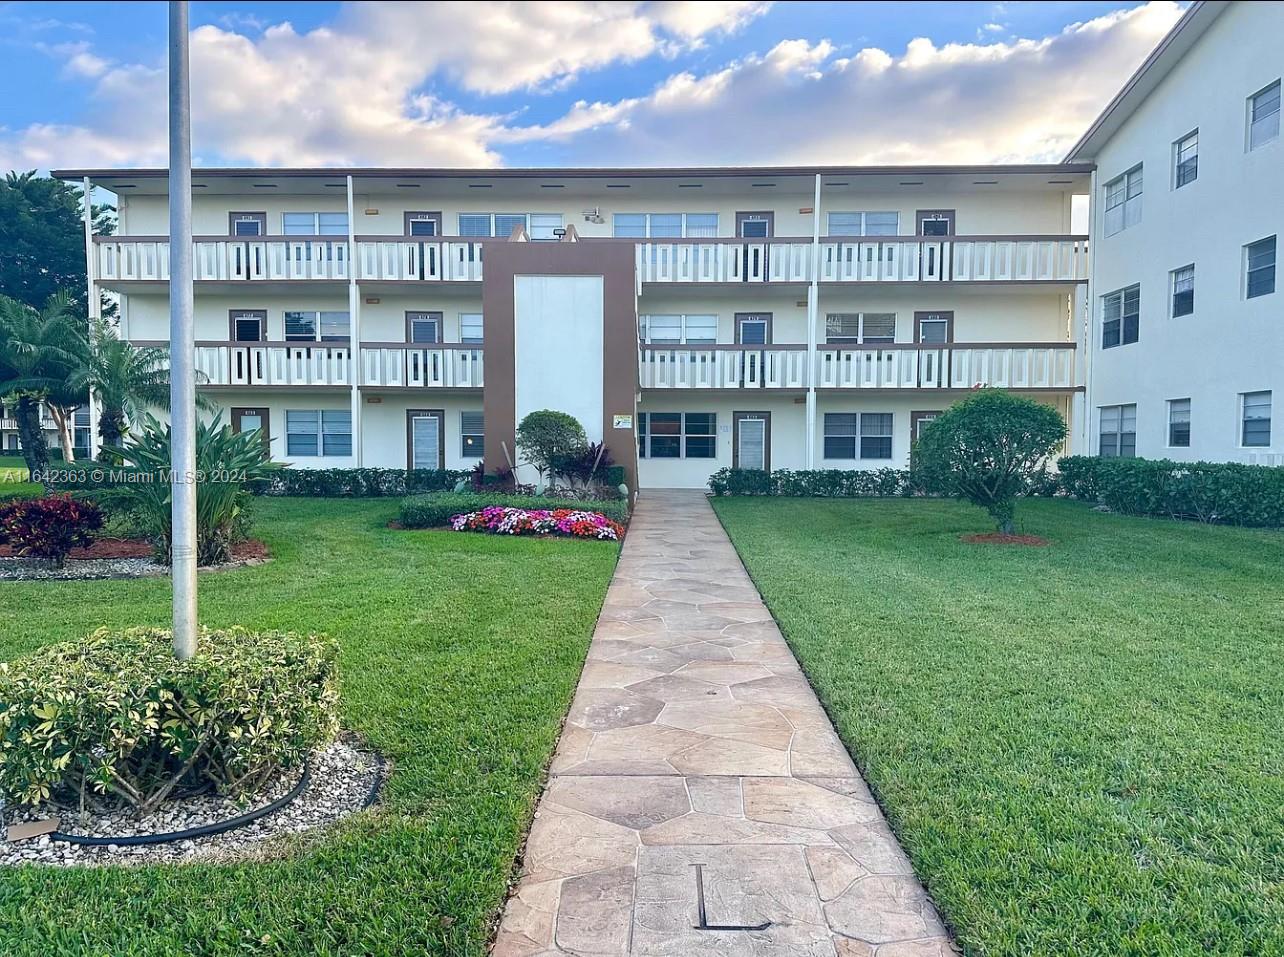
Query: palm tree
{"type": "Point", "coordinates": [40, 352]}
{"type": "Point", "coordinates": [127, 381]}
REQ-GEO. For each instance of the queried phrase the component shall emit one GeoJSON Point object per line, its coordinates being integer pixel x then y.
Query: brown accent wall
{"type": "Point", "coordinates": [615, 263]}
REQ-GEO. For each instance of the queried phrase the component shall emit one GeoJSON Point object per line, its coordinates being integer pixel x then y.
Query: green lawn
{"type": "Point", "coordinates": [13, 478]}
{"type": "Point", "coordinates": [1081, 746]}
{"type": "Point", "coordinates": [460, 655]}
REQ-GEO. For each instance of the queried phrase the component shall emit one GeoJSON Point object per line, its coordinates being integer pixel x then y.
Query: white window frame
{"type": "Point", "coordinates": [1268, 123]}
{"type": "Point", "coordinates": [316, 315]}
{"type": "Point", "coordinates": [1128, 202]}
{"type": "Point", "coordinates": [1122, 295]}
{"type": "Point", "coordinates": [490, 224]}
{"type": "Point", "coordinates": [316, 222]}
{"type": "Point", "coordinates": [1172, 408]}
{"type": "Point", "coordinates": [1244, 398]}
{"type": "Point", "coordinates": [1273, 267]}
{"type": "Point", "coordinates": [543, 231]}
{"type": "Point", "coordinates": [1178, 145]}
{"type": "Point", "coordinates": [825, 435]}
{"type": "Point", "coordinates": [864, 215]}
{"type": "Point", "coordinates": [471, 340]}
{"type": "Point", "coordinates": [861, 335]}
{"type": "Point", "coordinates": [686, 224]}
{"type": "Point", "coordinates": [320, 432]}
{"type": "Point", "coordinates": [1120, 431]}
{"type": "Point", "coordinates": [644, 328]}
{"type": "Point", "coordinates": [684, 435]}
{"type": "Point", "coordinates": [1174, 292]}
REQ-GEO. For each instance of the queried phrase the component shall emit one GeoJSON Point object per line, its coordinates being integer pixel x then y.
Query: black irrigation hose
{"type": "Point", "coordinates": [207, 830]}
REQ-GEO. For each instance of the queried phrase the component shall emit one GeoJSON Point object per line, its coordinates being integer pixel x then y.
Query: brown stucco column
{"type": "Point", "coordinates": [615, 263]}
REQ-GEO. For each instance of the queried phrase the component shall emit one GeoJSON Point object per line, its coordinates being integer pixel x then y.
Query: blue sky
{"type": "Point", "coordinates": [493, 83]}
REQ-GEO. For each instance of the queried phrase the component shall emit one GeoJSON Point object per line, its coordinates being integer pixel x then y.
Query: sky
{"type": "Point", "coordinates": [484, 83]}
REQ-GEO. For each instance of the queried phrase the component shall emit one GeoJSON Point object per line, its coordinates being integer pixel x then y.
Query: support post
{"type": "Point", "coordinates": [93, 307]}
{"type": "Point", "coordinates": [354, 329]}
{"type": "Point", "coordinates": [182, 338]}
{"type": "Point", "coordinates": [813, 293]}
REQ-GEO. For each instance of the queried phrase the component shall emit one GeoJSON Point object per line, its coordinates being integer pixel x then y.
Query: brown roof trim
{"type": "Point", "coordinates": [587, 172]}
{"type": "Point", "coordinates": [1195, 12]}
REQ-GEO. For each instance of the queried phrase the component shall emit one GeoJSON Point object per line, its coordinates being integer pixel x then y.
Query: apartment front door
{"type": "Point", "coordinates": [248, 420]}
{"type": "Point", "coordinates": [424, 439]}
{"type": "Point", "coordinates": [753, 328]}
{"type": "Point", "coordinates": [918, 420]}
{"type": "Point", "coordinates": [246, 224]}
{"type": "Point", "coordinates": [935, 222]}
{"type": "Point", "coordinates": [751, 443]}
{"type": "Point", "coordinates": [753, 257]}
{"type": "Point", "coordinates": [423, 224]}
{"type": "Point", "coordinates": [248, 325]}
{"type": "Point", "coordinates": [934, 327]}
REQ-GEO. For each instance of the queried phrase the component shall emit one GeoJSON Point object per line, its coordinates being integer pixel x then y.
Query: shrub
{"type": "Point", "coordinates": [437, 509]}
{"type": "Point", "coordinates": [548, 439]}
{"type": "Point", "coordinates": [360, 483]}
{"type": "Point", "coordinates": [987, 450]}
{"type": "Point", "coordinates": [115, 719]}
{"type": "Point", "coordinates": [1223, 492]}
{"type": "Point", "coordinates": [563, 522]}
{"type": "Point", "coordinates": [225, 462]}
{"type": "Point", "coordinates": [813, 483]}
{"type": "Point", "coordinates": [49, 528]}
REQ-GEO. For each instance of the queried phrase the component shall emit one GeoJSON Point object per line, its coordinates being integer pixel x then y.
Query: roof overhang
{"type": "Point", "coordinates": [1184, 34]}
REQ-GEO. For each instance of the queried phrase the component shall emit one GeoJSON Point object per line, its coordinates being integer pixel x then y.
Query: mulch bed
{"type": "Point", "coordinates": [139, 548]}
{"type": "Point", "coordinates": [999, 538]}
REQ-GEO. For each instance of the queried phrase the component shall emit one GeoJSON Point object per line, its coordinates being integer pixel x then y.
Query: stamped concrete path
{"type": "Point", "coordinates": [700, 802]}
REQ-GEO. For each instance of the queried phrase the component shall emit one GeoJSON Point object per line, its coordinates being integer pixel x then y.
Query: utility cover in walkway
{"type": "Point", "coordinates": [700, 801]}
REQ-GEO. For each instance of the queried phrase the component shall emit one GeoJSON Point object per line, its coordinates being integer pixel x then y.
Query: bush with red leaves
{"type": "Point", "coordinates": [49, 528]}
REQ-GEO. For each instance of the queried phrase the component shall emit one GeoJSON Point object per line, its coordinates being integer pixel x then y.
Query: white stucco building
{"type": "Point", "coordinates": [777, 317]}
{"type": "Point", "coordinates": [1186, 352]}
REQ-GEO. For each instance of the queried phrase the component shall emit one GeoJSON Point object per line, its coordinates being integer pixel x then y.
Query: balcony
{"type": "Point", "coordinates": [382, 364]}
{"type": "Point", "coordinates": [957, 366]}
{"type": "Point", "coordinates": [890, 259]}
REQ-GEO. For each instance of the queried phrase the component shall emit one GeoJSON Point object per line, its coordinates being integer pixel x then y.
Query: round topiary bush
{"type": "Point", "coordinates": [116, 720]}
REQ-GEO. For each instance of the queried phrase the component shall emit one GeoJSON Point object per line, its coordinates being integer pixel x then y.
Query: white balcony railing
{"type": "Point", "coordinates": [413, 365]}
{"type": "Point", "coordinates": [955, 366]}
{"type": "Point", "coordinates": [403, 259]}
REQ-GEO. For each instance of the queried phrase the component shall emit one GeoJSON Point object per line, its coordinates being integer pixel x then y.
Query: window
{"type": "Point", "coordinates": [317, 326]}
{"type": "Point", "coordinates": [840, 435]}
{"type": "Point", "coordinates": [1118, 435]}
{"type": "Point", "coordinates": [1183, 286]}
{"type": "Point", "coordinates": [313, 432]}
{"type": "Point", "coordinates": [1264, 116]}
{"type": "Point", "coordinates": [1186, 160]}
{"type": "Point", "coordinates": [695, 330]}
{"type": "Point", "coordinates": [247, 224]}
{"type": "Point", "coordinates": [423, 224]}
{"type": "Point", "coordinates": [249, 325]}
{"type": "Point", "coordinates": [876, 435]}
{"type": "Point", "coordinates": [1259, 268]}
{"type": "Point", "coordinates": [1123, 201]}
{"type": "Point", "coordinates": [472, 435]}
{"type": "Point", "coordinates": [500, 225]}
{"type": "Point", "coordinates": [860, 327]}
{"type": "Point", "coordinates": [664, 225]}
{"type": "Point", "coordinates": [863, 224]}
{"type": "Point", "coordinates": [470, 327]}
{"type": "Point", "coordinates": [314, 224]}
{"type": "Point", "coordinates": [672, 435]}
{"type": "Point", "coordinates": [543, 226]}
{"type": "Point", "coordinates": [1179, 423]}
{"type": "Point", "coordinates": [1120, 315]}
{"type": "Point", "coordinates": [1256, 419]}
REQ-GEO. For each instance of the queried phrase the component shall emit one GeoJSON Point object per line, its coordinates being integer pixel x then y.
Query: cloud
{"type": "Point", "coordinates": [1009, 101]}
{"type": "Point", "coordinates": [369, 89]}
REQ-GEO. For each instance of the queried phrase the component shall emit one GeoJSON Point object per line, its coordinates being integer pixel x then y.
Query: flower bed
{"type": "Point", "coordinates": [562, 522]}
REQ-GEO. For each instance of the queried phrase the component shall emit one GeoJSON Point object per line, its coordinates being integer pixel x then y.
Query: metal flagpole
{"type": "Point", "coordinates": [182, 337]}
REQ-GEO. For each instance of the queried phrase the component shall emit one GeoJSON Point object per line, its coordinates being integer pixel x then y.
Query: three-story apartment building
{"type": "Point", "coordinates": [690, 318]}
{"type": "Point", "coordinates": [1186, 355]}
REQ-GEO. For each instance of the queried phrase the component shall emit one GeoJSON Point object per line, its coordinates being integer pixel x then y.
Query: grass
{"type": "Point", "coordinates": [13, 478]}
{"type": "Point", "coordinates": [460, 654]}
{"type": "Point", "coordinates": [1081, 746]}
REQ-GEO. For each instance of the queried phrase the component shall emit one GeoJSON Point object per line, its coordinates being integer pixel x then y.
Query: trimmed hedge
{"type": "Point", "coordinates": [814, 483]}
{"type": "Point", "coordinates": [116, 719]}
{"type": "Point", "coordinates": [437, 509]}
{"type": "Point", "coordinates": [361, 483]}
{"type": "Point", "coordinates": [1222, 492]}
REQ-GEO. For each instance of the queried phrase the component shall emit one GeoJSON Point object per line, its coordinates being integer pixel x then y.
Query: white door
{"type": "Point", "coordinates": [751, 451]}
{"type": "Point", "coordinates": [425, 432]}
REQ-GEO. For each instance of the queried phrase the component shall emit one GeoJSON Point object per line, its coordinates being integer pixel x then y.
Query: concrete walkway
{"type": "Point", "coordinates": [697, 769]}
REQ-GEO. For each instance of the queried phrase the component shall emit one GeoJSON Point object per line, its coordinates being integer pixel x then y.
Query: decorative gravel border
{"type": "Point", "coordinates": [343, 776]}
{"type": "Point", "coordinates": [88, 569]}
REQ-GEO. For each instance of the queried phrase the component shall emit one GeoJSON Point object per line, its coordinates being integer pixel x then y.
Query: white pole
{"type": "Point", "coordinates": [182, 337]}
{"type": "Point", "coordinates": [813, 293]}
{"type": "Point", "coordinates": [354, 332]}
{"type": "Point", "coordinates": [93, 309]}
